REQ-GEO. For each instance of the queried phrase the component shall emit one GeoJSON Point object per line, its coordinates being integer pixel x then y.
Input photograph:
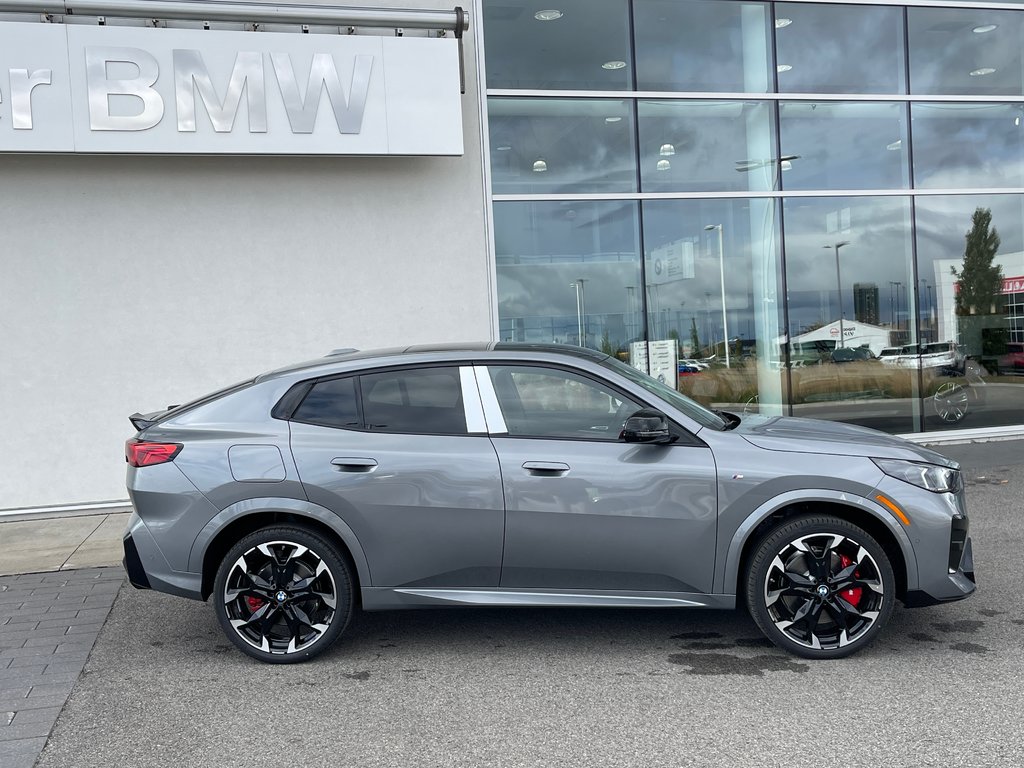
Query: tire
{"type": "Point", "coordinates": [283, 594]}
{"type": "Point", "coordinates": [820, 587]}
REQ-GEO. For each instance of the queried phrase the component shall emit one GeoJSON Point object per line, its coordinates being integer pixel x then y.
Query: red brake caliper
{"type": "Point", "coordinates": [256, 603]}
{"type": "Point", "coordinates": [852, 595]}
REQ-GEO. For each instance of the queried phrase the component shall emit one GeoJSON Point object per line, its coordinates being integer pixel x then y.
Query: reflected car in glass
{"type": "Point", "coordinates": [528, 475]}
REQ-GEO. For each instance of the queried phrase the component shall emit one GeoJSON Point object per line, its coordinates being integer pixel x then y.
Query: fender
{"type": "Point", "coordinates": [297, 507]}
{"type": "Point", "coordinates": [873, 508]}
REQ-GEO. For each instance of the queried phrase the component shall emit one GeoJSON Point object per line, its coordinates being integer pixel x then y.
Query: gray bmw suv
{"type": "Point", "coordinates": [521, 475]}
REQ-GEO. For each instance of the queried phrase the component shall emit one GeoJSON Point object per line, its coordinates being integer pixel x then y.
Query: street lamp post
{"type": "Point", "coordinates": [721, 271]}
{"type": "Point", "coordinates": [839, 288]}
{"type": "Point", "coordinates": [581, 310]}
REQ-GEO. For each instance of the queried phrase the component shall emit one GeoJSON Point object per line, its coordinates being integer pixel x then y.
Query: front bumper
{"type": "Point", "coordinates": [960, 581]}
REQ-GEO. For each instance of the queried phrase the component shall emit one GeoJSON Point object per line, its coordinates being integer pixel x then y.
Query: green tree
{"type": "Point", "coordinates": [694, 338]}
{"type": "Point", "coordinates": [981, 281]}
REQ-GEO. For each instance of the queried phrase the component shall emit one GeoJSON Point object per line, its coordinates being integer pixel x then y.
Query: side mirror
{"type": "Point", "coordinates": [646, 426]}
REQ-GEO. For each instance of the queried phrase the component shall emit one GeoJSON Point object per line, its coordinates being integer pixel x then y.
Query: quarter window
{"type": "Point", "coordinates": [541, 402]}
{"type": "Point", "coordinates": [331, 403]}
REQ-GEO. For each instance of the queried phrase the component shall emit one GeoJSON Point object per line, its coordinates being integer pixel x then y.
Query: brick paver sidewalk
{"type": "Point", "coordinates": [48, 624]}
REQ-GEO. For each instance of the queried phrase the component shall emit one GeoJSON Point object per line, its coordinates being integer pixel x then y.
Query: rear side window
{"type": "Point", "coordinates": [331, 403]}
{"type": "Point", "coordinates": [424, 401]}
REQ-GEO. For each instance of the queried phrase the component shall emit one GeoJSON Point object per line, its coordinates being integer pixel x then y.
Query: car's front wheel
{"type": "Point", "coordinates": [283, 594]}
{"type": "Point", "coordinates": [820, 587]}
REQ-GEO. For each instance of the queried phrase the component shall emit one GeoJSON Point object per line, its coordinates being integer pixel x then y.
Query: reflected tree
{"type": "Point", "coordinates": [695, 345]}
{"type": "Point", "coordinates": [981, 281]}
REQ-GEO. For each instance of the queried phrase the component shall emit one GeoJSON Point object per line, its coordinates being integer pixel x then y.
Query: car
{"type": "Point", "coordinates": [1012, 361]}
{"type": "Point", "coordinates": [501, 474]}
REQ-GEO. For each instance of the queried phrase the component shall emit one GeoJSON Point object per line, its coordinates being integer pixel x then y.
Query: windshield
{"type": "Point", "coordinates": [691, 408]}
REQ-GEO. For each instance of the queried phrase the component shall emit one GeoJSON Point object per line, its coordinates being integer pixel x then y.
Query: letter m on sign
{"type": "Point", "coordinates": [348, 112]}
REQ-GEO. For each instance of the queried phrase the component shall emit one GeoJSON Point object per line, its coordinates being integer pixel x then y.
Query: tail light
{"type": "Point", "coordinates": [142, 454]}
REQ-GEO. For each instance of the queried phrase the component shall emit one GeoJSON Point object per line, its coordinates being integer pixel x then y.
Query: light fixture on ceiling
{"type": "Point", "coordinates": [783, 68]}
{"type": "Point", "coordinates": [780, 23]}
{"type": "Point", "coordinates": [663, 165]}
{"type": "Point", "coordinates": [786, 165]}
{"type": "Point", "coordinates": [503, 148]}
{"type": "Point", "coordinates": [984, 28]}
{"type": "Point", "coordinates": [613, 119]}
{"type": "Point", "coordinates": [1016, 121]}
{"type": "Point", "coordinates": [982, 71]}
{"type": "Point", "coordinates": [667, 150]}
{"type": "Point", "coordinates": [539, 166]}
{"type": "Point", "coordinates": [895, 146]}
{"type": "Point", "coordinates": [548, 15]}
{"type": "Point", "coordinates": [613, 65]}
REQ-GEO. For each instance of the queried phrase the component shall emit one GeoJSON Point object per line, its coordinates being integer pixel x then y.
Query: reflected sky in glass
{"type": "Point", "coordinates": [702, 45]}
{"type": "Point", "coordinates": [968, 145]}
{"type": "Point", "coordinates": [844, 145]}
{"type": "Point", "coordinates": [965, 51]}
{"type": "Point", "coordinates": [839, 48]}
{"type": "Point", "coordinates": [561, 145]}
{"type": "Point", "coordinates": [706, 146]}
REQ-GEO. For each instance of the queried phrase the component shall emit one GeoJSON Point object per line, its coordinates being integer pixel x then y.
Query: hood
{"type": "Point", "coordinates": [777, 433]}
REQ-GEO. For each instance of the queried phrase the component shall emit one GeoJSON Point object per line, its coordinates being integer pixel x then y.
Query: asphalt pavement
{"type": "Point", "coordinates": [943, 686]}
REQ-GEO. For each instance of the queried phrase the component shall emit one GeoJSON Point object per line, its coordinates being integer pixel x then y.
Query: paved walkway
{"type": "Point", "coordinates": [48, 624]}
{"type": "Point", "coordinates": [62, 543]}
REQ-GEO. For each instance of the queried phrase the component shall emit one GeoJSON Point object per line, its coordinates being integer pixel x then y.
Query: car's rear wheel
{"type": "Point", "coordinates": [820, 587]}
{"type": "Point", "coordinates": [283, 594]}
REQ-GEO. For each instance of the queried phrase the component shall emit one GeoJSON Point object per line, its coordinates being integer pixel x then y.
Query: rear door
{"type": "Point", "coordinates": [585, 510]}
{"type": "Point", "coordinates": [402, 456]}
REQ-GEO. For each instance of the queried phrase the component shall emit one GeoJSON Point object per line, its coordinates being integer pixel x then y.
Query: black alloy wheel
{"type": "Point", "coordinates": [283, 594]}
{"type": "Point", "coordinates": [820, 587]}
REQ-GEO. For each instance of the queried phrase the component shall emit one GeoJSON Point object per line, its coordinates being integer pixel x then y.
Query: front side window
{"type": "Point", "coordinates": [547, 402]}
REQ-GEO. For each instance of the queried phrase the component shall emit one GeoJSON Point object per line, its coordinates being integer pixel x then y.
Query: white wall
{"type": "Point", "coordinates": [132, 283]}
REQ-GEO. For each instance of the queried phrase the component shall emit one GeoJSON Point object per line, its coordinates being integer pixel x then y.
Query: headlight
{"type": "Point", "coordinates": [928, 476]}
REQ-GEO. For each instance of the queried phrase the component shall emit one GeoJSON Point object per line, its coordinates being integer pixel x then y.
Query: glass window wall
{"type": "Point", "coordinates": [705, 146]}
{"type": "Point", "coordinates": [569, 273]}
{"type": "Point", "coordinates": [561, 145]}
{"type": "Point", "coordinates": [844, 145]}
{"type": "Point", "coordinates": [849, 274]}
{"type": "Point", "coordinates": [702, 45]}
{"type": "Point", "coordinates": [568, 45]}
{"type": "Point", "coordinates": [839, 48]}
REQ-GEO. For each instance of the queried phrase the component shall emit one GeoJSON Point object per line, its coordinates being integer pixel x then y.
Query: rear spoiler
{"type": "Point", "coordinates": [143, 421]}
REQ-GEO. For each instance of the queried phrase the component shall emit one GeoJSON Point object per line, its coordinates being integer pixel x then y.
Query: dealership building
{"type": "Point", "coordinates": [818, 207]}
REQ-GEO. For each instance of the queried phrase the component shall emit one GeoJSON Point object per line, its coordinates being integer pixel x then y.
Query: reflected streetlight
{"type": "Point", "coordinates": [839, 288]}
{"type": "Point", "coordinates": [721, 272]}
{"type": "Point", "coordinates": [581, 311]}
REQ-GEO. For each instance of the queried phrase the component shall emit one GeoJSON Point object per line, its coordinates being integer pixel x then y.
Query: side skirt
{"type": "Point", "coordinates": [383, 599]}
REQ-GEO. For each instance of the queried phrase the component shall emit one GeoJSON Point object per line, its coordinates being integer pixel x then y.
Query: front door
{"type": "Point", "coordinates": [585, 511]}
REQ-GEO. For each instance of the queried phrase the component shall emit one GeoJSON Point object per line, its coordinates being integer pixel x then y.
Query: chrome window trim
{"type": "Point", "coordinates": [489, 400]}
{"type": "Point", "coordinates": [476, 424]}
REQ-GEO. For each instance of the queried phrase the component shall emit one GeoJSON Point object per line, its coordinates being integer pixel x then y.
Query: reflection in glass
{"type": "Point", "coordinates": [561, 145]}
{"type": "Point", "coordinates": [839, 48]}
{"type": "Point", "coordinates": [968, 145]}
{"type": "Point", "coordinates": [965, 51]}
{"type": "Point", "coordinates": [702, 45]}
{"type": "Point", "coordinates": [581, 45]}
{"type": "Point", "coordinates": [844, 145]}
{"type": "Point", "coordinates": [564, 273]}
{"type": "Point", "coordinates": [971, 286]}
{"type": "Point", "coordinates": [698, 252]}
{"type": "Point", "coordinates": [706, 146]}
{"type": "Point", "coordinates": [850, 298]}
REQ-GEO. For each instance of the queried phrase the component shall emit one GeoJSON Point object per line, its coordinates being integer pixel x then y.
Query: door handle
{"type": "Point", "coordinates": [354, 464]}
{"type": "Point", "coordinates": [546, 468]}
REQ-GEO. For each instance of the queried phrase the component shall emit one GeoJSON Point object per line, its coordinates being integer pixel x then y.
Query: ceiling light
{"type": "Point", "coordinates": [503, 148]}
{"type": "Point", "coordinates": [984, 28]}
{"type": "Point", "coordinates": [549, 15]}
{"type": "Point", "coordinates": [1016, 120]}
{"type": "Point", "coordinates": [663, 165]}
{"type": "Point", "coordinates": [613, 65]}
{"type": "Point", "coordinates": [982, 71]}
{"type": "Point", "coordinates": [667, 150]}
{"type": "Point", "coordinates": [783, 68]}
{"type": "Point", "coordinates": [780, 23]}
{"type": "Point", "coordinates": [896, 146]}
{"type": "Point", "coordinates": [539, 166]}
{"type": "Point", "coordinates": [786, 165]}
{"type": "Point", "coordinates": [613, 119]}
